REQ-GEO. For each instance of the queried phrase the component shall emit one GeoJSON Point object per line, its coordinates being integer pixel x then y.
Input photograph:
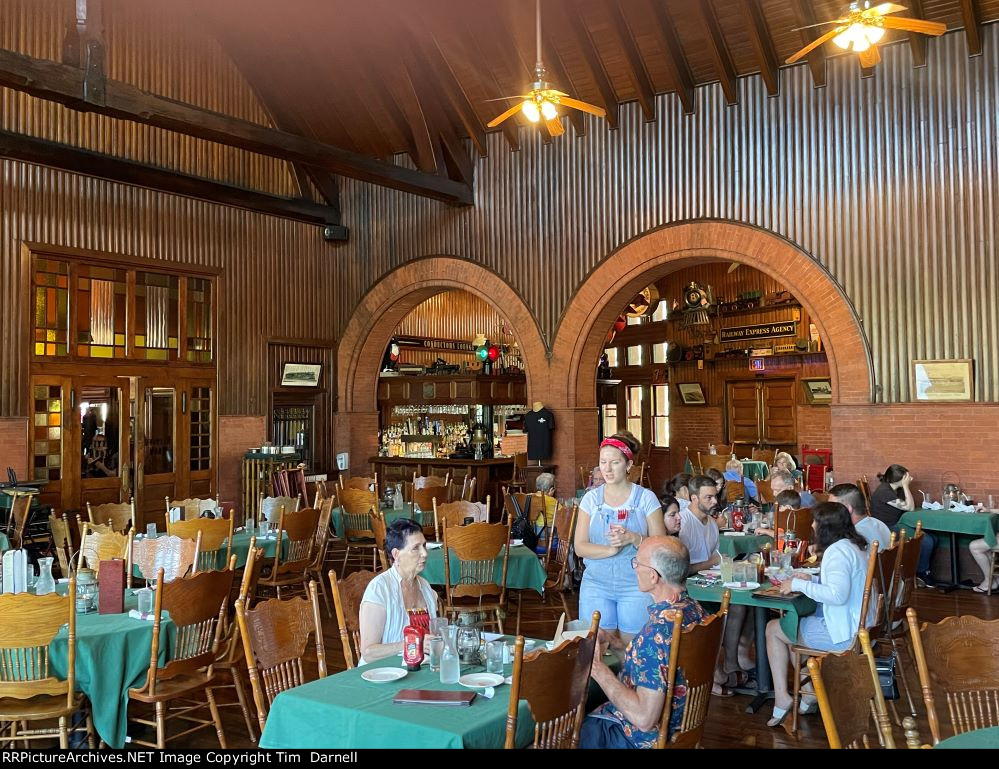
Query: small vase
{"type": "Point", "coordinates": [45, 583]}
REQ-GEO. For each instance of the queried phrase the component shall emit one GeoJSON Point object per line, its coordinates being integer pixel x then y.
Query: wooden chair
{"type": "Point", "coordinates": [801, 653]}
{"type": "Point", "coordinates": [693, 652]}
{"type": "Point", "coordinates": [555, 684]}
{"type": "Point", "coordinates": [958, 656]}
{"type": "Point", "coordinates": [637, 473]}
{"type": "Point", "coordinates": [798, 521]}
{"type": "Point", "coordinates": [275, 635]}
{"type": "Point", "coordinates": [98, 546]}
{"type": "Point", "coordinates": [712, 462]}
{"type": "Point", "coordinates": [476, 546]}
{"type": "Point", "coordinates": [173, 555]}
{"type": "Point", "coordinates": [764, 455]}
{"type": "Point", "coordinates": [584, 477]}
{"type": "Point", "coordinates": [355, 505]}
{"type": "Point", "coordinates": [290, 482]}
{"type": "Point", "coordinates": [347, 595]}
{"type": "Point", "coordinates": [29, 689]}
{"type": "Point", "coordinates": [431, 481]}
{"type": "Point", "coordinates": [518, 480]}
{"type": "Point", "coordinates": [22, 535]}
{"type": "Point", "coordinates": [865, 488]}
{"type": "Point", "coordinates": [192, 507]}
{"type": "Point", "coordinates": [62, 537]}
{"type": "Point", "coordinates": [322, 542]}
{"type": "Point", "coordinates": [197, 605]}
{"type": "Point", "coordinates": [216, 540]}
{"type": "Point", "coordinates": [360, 482]}
{"type": "Point", "coordinates": [557, 557]}
{"type": "Point", "coordinates": [766, 492]}
{"type": "Point", "coordinates": [724, 450]}
{"type": "Point", "coordinates": [380, 530]}
{"type": "Point", "coordinates": [849, 694]}
{"type": "Point", "coordinates": [270, 507]}
{"type": "Point", "coordinates": [454, 514]}
{"type": "Point", "coordinates": [735, 490]}
{"type": "Point", "coordinates": [424, 499]}
{"type": "Point", "coordinates": [291, 568]}
{"type": "Point", "coordinates": [820, 496]}
{"type": "Point", "coordinates": [118, 516]}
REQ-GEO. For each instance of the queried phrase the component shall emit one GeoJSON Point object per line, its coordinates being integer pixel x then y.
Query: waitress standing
{"type": "Point", "coordinates": [613, 520]}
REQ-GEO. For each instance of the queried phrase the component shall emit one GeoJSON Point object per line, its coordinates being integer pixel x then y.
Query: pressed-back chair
{"type": "Point", "coordinates": [425, 499]}
{"type": "Point", "coordinates": [117, 515]}
{"type": "Point", "coordinates": [555, 684]}
{"type": "Point", "coordinates": [764, 455]}
{"type": "Point", "coordinates": [380, 530]}
{"type": "Point", "coordinates": [724, 449]}
{"type": "Point", "coordinates": [355, 504]}
{"type": "Point", "coordinates": [22, 535]}
{"type": "Point", "coordinates": [347, 595]}
{"type": "Point", "coordinates": [215, 534]}
{"type": "Point", "coordinates": [275, 635]}
{"type": "Point", "coordinates": [360, 482]}
{"type": "Point", "coordinates": [293, 558]}
{"type": "Point", "coordinates": [197, 607]}
{"type": "Point", "coordinates": [30, 690]}
{"type": "Point", "coordinates": [557, 555]}
{"type": "Point", "coordinates": [584, 476]}
{"type": "Point", "coordinates": [518, 478]}
{"type": "Point", "coordinates": [431, 481]}
{"type": "Point", "coordinates": [799, 653]}
{"type": "Point", "coordinates": [637, 472]}
{"type": "Point", "coordinates": [97, 546]}
{"type": "Point", "coordinates": [850, 698]}
{"type": "Point", "coordinates": [270, 507]}
{"type": "Point", "coordinates": [322, 545]}
{"type": "Point", "coordinates": [62, 538]}
{"type": "Point", "coordinates": [454, 514]}
{"type": "Point", "coordinates": [865, 489]}
{"type": "Point", "coordinates": [192, 507]}
{"type": "Point", "coordinates": [799, 521]}
{"type": "Point", "coordinates": [766, 492]}
{"type": "Point", "coordinates": [958, 657]}
{"type": "Point", "coordinates": [174, 555]}
{"type": "Point", "coordinates": [693, 652]}
{"type": "Point", "coordinates": [711, 462]}
{"type": "Point", "coordinates": [734, 490]}
{"type": "Point", "coordinates": [462, 492]}
{"type": "Point", "coordinates": [476, 547]}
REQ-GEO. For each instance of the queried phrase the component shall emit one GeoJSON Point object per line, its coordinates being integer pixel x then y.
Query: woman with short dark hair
{"type": "Point", "coordinates": [399, 596]}
{"type": "Point", "coordinates": [893, 498]}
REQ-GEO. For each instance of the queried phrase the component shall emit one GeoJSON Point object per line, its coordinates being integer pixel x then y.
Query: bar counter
{"type": "Point", "coordinates": [490, 474]}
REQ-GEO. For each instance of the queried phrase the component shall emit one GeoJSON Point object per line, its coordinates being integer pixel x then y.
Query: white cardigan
{"type": "Point", "coordinates": [840, 589]}
{"type": "Point", "coordinates": [386, 590]}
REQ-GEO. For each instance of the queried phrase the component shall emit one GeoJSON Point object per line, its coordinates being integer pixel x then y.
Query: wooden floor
{"type": "Point", "coordinates": [729, 726]}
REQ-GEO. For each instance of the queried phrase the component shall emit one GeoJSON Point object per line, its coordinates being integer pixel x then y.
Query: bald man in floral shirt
{"type": "Point", "coordinates": [630, 719]}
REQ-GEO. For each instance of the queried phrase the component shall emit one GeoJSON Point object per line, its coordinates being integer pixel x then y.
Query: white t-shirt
{"type": "Point", "coordinates": [701, 539]}
{"type": "Point", "coordinates": [386, 590]}
{"type": "Point", "coordinates": [870, 528]}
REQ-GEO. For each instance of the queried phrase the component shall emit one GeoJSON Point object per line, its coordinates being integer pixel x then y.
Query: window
{"type": "Point", "coordinates": [611, 356]}
{"type": "Point", "coordinates": [662, 311]}
{"type": "Point", "coordinates": [634, 406]}
{"type": "Point", "coordinates": [156, 316]}
{"type": "Point", "coordinates": [634, 320]}
{"type": "Point", "coordinates": [201, 428]}
{"type": "Point", "coordinates": [199, 320]}
{"type": "Point", "coordinates": [47, 432]}
{"type": "Point", "coordinates": [635, 355]}
{"type": "Point", "coordinates": [608, 419]}
{"type": "Point", "coordinates": [659, 352]}
{"type": "Point", "coordinates": [51, 284]}
{"type": "Point", "coordinates": [101, 310]}
{"type": "Point", "coordinates": [660, 415]}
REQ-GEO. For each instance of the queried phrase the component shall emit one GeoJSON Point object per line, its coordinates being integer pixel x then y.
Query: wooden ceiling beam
{"type": "Point", "coordinates": [636, 68]}
{"type": "Point", "coordinates": [759, 36]}
{"type": "Point", "coordinates": [30, 149]}
{"type": "Point", "coordinates": [917, 42]}
{"type": "Point", "coordinates": [560, 79]}
{"type": "Point", "coordinates": [581, 38]}
{"type": "Point", "coordinates": [718, 50]}
{"type": "Point", "coordinates": [455, 93]}
{"type": "Point", "coordinates": [683, 82]}
{"type": "Point", "coordinates": [805, 14]}
{"type": "Point", "coordinates": [328, 187]}
{"type": "Point", "coordinates": [64, 84]}
{"type": "Point", "coordinates": [972, 17]}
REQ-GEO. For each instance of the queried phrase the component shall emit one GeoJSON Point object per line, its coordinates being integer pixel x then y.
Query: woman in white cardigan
{"type": "Point", "coordinates": [838, 591]}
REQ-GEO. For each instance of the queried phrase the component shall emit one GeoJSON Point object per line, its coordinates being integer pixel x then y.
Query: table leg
{"type": "Point", "coordinates": [954, 584]}
{"type": "Point", "coordinates": [764, 684]}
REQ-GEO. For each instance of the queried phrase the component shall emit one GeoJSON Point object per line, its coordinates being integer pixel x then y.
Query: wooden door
{"type": "Point", "coordinates": [157, 424]}
{"type": "Point", "coordinates": [197, 445]}
{"type": "Point", "coordinates": [779, 415]}
{"type": "Point", "coordinates": [743, 412]}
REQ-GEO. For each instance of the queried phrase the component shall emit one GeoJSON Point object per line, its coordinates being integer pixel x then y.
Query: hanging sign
{"type": "Point", "coordinates": [453, 345]}
{"type": "Point", "coordinates": [757, 364]}
{"type": "Point", "coordinates": [759, 331]}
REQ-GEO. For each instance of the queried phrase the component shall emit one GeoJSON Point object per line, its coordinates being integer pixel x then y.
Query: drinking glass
{"type": "Point", "coordinates": [145, 600]}
{"type": "Point", "coordinates": [727, 568]}
{"type": "Point", "coordinates": [264, 527]}
{"type": "Point", "coordinates": [436, 647]}
{"type": "Point", "coordinates": [151, 530]}
{"type": "Point", "coordinates": [494, 657]}
{"type": "Point", "coordinates": [438, 626]}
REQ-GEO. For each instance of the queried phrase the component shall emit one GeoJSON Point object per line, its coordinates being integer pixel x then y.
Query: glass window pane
{"type": "Point", "coordinates": [611, 356]}
{"type": "Point", "coordinates": [51, 322]}
{"type": "Point", "coordinates": [199, 320]}
{"type": "Point", "coordinates": [100, 323]}
{"type": "Point", "coordinates": [660, 415]}
{"type": "Point", "coordinates": [201, 428]}
{"type": "Point", "coordinates": [634, 320]}
{"type": "Point", "coordinates": [635, 355]}
{"type": "Point", "coordinates": [609, 418]}
{"type": "Point", "coordinates": [634, 406]}
{"type": "Point", "coordinates": [100, 417]}
{"type": "Point", "coordinates": [659, 352]}
{"type": "Point", "coordinates": [156, 316]}
{"type": "Point", "coordinates": [159, 450]}
{"type": "Point", "coordinates": [46, 434]}
{"type": "Point", "coordinates": [661, 312]}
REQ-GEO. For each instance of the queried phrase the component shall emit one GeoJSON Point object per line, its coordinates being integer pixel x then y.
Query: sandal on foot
{"type": "Point", "coordinates": [720, 690]}
{"type": "Point", "coordinates": [807, 707]}
{"type": "Point", "coordinates": [778, 718]}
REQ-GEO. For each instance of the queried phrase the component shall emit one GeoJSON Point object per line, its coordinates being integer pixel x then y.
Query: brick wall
{"type": "Point", "coordinates": [694, 427]}
{"type": "Point", "coordinates": [14, 446]}
{"type": "Point", "coordinates": [814, 427]}
{"type": "Point", "coordinates": [236, 435]}
{"type": "Point", "coordinates": [928, 439]}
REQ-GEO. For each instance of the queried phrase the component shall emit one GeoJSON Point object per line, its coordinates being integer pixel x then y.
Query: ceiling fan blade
{"type": "Point", "coordinates": [555, 127]}
{"type": "Point", "coordinates": [916, 25]}
{"type": "Point", "coordinates": [733, 267]}
{"type": "Point", "coordinates": [508, 114]}
{"type": "Point", "coordinates": [813, 45]}
{"type": "Point", "coordinates": [507, 98]}
{"type": "Point", "coordinates": [869, 57]}
{"type": "Point", "coordinates": [582, 105]}
{"type": "Point", "coordinates": [820, 24]}
{"type": "Point", "coordinates": [885, 8]}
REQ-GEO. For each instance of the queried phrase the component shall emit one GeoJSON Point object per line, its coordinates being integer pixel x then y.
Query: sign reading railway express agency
{"type": "Point", "coordinates": [759, 331]}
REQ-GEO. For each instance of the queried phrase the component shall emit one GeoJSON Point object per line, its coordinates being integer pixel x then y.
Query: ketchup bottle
{"type": "Point", "coordinates": [412, 647]}
{"type": "Point", "coordinates": [737, 519]}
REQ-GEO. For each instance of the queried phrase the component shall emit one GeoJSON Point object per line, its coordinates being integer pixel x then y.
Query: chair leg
{"type": "Point", "coordinates": [326, 595]}
{"type": "Point", "coordinates": [565, 605]}
{"type": "Point", "coordinates": [161, 725]}
{"type": "Point", "coordinates": [519, 599]}
{"type": "Point", "coordinates": [346, 555]}
{"type": "Point", "coordinates": [91, 739]}
{"type": "Point", "coordinates": [216, 718]}
{"type": "Point", "coordinates": [63, 734]}
{"type": "Point", "coordinates": [237, 680]}
{"type": "Point", "coordinates": [992, 570]}
{"type": "Point", "coordinates": [797, 692]}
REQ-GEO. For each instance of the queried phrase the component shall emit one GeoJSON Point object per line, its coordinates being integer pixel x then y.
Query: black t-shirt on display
{"type": "Point", "coordinates": [539, 426]}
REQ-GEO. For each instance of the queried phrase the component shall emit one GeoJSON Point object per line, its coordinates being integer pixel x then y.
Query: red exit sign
{"type": "Point", "coordinates": [757, 364]}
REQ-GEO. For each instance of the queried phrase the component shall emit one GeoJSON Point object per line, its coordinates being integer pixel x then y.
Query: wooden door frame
{"type": "Point", "coordinates": [761, 382]}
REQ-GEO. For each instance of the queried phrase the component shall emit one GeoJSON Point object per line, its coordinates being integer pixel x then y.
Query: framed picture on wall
{"type": "Point", "coordinates": [301, 374]}
{"type": "Point", "coordinates": [691, 394]}
{"type": "Point", "coordinates": [818, 391]}
{"type": "Point", "coordinates": [942, 380]}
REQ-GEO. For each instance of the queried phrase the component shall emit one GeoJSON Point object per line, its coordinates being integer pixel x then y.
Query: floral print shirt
{"type": "Point", "coordinates": [646, 663]}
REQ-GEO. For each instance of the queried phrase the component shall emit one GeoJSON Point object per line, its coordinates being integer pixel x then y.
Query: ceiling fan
{"type": "Point", "coordinates": [542, 101]}
{"type": "Point", "coordinates": [862, 28]}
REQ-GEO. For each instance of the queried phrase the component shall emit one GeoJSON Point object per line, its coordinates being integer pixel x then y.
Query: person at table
{"type": "Point", "coordinates": [630, 718]}
{"type": "Point", "coordinates": [838, 591]}
{"type": "Point", "coordinates": [788, 500]}
{"type": "Point", "coordinates": [671, 514]}
{"type": "Point", "coordinates": [890, 500]}
{"type": "Point", "coordinates": [399, 596]}
{"type": "Point", "coordinates": [980, 551]}
{"type": "Point", "coordinates": [544, 486]}
{"type": "Point", "coordinates": [676, 487]}
{"type": "Point", "coordinates": [867, 526]}
{"type": "Point", "coordinates": [613, 520]}
{"type": "Point", "coordinates": [785, 463]}
{"type": "Point", "coordinates": [698, 528]}
{"type": "Point", "coordinates": [718, 478]}
{"type": "Point", "coordinates": [733, 472]}
{"type": "Point", "coordinates": [781, 480]}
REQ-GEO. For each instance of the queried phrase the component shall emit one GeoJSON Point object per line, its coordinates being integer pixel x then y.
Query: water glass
{"type": "Point", "coordinates": [151, 530]}
{"type": "Point", "coordinates": [145, 599]}
{"type": "Point", "coordinates": [436, 651]}
{"type": "Point", "coordinates": [494, 657]}
{"type": "Point", "coordinates": [438, 626]}
{"type": "Point", "coordinates": [264, 527]}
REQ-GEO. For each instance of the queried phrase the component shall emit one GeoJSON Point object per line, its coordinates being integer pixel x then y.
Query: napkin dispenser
{"type": "Point", "coordinates": [15, 571]}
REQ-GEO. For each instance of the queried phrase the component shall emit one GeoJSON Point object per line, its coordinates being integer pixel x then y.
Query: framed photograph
{"type": "Point", "coordinates": [691, 394]}
{"type": "Point", "coordinates": [301, 374]}
{"type": "Point", "coordinates": [818, 391]}
{"type": "Point", "coordinates": [942, 380]}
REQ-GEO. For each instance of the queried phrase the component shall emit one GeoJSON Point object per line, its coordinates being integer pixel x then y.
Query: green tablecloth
{"type": "Point", "coordinates": [241, 547]}
{"type": "Point", "coordinates": [336, 518]}
{"type": "Point", "coordinates": [793, 610]}
{"type": "Point", "coordinates": [524, 570]}
{"type": "Point", "coordinates": [346, 712]}
{"type": "Point", "coordinates": [974, 740]}
{"type": "Point", "coordinates": [736, 545]}
{"type": "Point", "coordinates": [975, 525]}
{"type": "Point", "coordinates": [112, 656]}
{"type": "Point", "coordinates": [754, 469]}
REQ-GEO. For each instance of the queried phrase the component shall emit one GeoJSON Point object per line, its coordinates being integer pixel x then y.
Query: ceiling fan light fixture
{"type": "Point", "coordinates": [530, 110]}
{"type": "Point", "coordinates": [548, 111]}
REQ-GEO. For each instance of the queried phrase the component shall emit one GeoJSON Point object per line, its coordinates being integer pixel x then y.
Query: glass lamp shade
{"type": "Point", "coordinates": [530, 110]}
{"type": "Point", "coordinates": [548, 111]}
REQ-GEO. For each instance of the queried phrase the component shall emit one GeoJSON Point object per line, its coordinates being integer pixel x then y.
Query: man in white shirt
{"type": "Point", "coordinates": [867, 526]}
{"type": "Point", "coordinates": [698, 530]}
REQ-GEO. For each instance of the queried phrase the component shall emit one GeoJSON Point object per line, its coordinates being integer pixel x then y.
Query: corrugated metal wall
{"type": "Point", "coordinates": [890, 182]}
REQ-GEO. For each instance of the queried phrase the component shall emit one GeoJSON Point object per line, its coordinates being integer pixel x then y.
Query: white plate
{"type": "Point", "coordinates": [516, 542]}
{"type": "Point", "coordinates": [710, 572]}
{"type": "Point", "coordinates": [481, 680]}
{"type": "Point", "coordinates": [384, 675]}
{"type": "Point", "coordinates": [741, 585]}
{"type": "Point", "coordinates": [434, 545]}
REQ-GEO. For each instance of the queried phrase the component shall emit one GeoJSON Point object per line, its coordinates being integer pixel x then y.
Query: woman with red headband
{"type": "Point", "coordinates": [613, 520]}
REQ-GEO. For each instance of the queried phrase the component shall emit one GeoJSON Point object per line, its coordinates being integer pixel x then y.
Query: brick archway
{"type": "Point", "coordinates": [380, 311]}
